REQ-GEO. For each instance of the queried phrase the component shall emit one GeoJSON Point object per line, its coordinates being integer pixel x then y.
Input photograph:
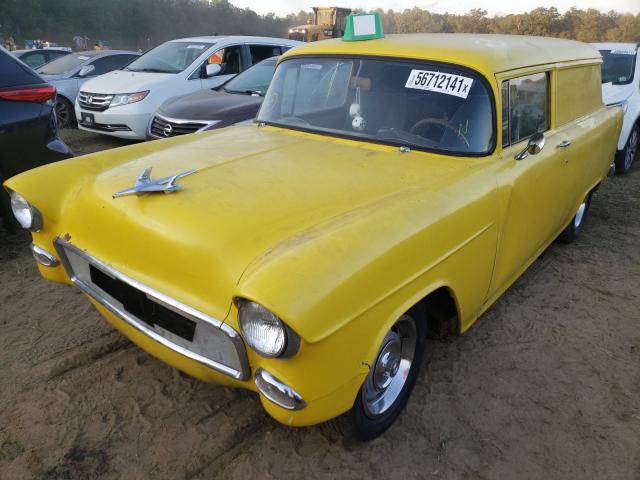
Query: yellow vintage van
{"type": "Point", "coordinates": [391, 188]}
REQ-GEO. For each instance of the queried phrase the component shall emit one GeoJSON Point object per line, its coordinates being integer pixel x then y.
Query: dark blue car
{"type": "Point", "coordinates": [28, 130]}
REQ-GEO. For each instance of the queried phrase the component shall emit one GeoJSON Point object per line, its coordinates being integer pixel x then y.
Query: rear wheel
{"type": "Point", "coordinates": [575, 226]}
{"type": "Point", "coordinates": [65, 115]}
{"type": "Point", "coordinates": [626, 157]}
{"type": "Point", "coordinates": [390, 381]}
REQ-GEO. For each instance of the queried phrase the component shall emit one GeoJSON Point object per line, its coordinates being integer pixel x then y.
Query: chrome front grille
{"type": "Point", "coordinates": [175, 325]}
{"type": "Point", "coordinates": [94, 101]}
{"type": "Point", "coordinates": [162, 127]}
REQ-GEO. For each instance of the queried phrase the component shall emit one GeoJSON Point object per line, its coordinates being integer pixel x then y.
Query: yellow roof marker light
{"type": "Point", "coordinates": [363, 26]}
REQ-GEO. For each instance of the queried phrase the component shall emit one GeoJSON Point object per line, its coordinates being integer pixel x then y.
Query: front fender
{"type": "Point", "coordinates": [342, 284]}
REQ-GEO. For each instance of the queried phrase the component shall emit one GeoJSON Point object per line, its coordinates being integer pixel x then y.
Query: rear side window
{"type": "Point", "coordinates": [525, 107]}
{"type": "Point", "coordinates": [14, 72]}
{"type": "Point", "coordinates": [35, 59]}
{"type": "Point", "coordinates": [262, 52]}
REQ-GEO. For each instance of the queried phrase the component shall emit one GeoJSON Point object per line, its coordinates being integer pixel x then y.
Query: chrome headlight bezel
{"type": "Point", "coordinates": [128, 98]}
{"type": "Point", "coordinates": [27, 216]}
{"type": "Point", "coordinates": [250, 313]}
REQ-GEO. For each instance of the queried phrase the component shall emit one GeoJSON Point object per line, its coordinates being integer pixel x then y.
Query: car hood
{"type": "Point", "coordinates": [616, 93]}
{"type": "Point", "coordinates": [258, 194]}
{"type": "Point", "coordinates": [212, 105]}
{"type": "Point", "coordinates": [123, 81]}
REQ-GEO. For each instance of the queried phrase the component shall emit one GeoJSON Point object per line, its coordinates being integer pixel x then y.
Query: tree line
{"type": "Point", "coordinates": [141, 24]}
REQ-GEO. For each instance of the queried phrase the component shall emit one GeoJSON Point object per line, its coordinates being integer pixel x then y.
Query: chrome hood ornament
{"type": "Point", "coordinates": [144, 184]}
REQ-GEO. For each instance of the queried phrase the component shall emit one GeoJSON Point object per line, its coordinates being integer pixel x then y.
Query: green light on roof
{"type": "Point", "coordinates": [363, 26]}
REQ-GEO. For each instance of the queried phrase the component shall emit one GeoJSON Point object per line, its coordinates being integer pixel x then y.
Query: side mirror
{"type": "Point", "coordinates": [534, 146]}
{"type": "Point", "coordinates": [86, 70]}
{"type": "Point", "coordinates": [212, 69]}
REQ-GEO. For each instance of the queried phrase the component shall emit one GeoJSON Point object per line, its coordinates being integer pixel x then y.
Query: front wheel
{"type": "Point", "coordinates": [390, 381]}
{"type": "Point", "coordinates": [574, 228]}
{"type": "Point", "coordinates": [626, 157]}
{"type": "Point", "coordinates": [65, 115]}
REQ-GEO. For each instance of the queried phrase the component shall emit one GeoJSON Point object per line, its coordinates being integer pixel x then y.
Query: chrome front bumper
{"type": "Point", "coordinates": [212, 342]}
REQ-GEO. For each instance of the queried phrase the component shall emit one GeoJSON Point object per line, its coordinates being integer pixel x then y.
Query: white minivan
{"type": "Point", "coordinates": [122, 103]}
{"type": "Point", "coordinates": [621, 86]}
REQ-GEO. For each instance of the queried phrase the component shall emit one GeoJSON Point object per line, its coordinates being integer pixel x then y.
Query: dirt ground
{"type": "Point", "coordinates": [545, 386]}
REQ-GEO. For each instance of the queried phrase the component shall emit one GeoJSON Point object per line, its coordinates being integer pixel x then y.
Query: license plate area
{"type": "Point", "coordinates": [142, 307]}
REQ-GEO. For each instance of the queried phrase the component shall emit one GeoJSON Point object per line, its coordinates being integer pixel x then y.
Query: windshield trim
{"type": "Point", "coordinates": [452, 153]}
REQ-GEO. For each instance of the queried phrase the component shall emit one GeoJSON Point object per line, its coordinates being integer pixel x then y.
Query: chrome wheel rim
{"type": "Point", "coordinates": [577, 221]}
{"type": "Point", "coordinates": [62, 113]}
{"type": "Point", "coordinates": [390, 370]}
{"type": "Point", "coordinates": [632, 149]}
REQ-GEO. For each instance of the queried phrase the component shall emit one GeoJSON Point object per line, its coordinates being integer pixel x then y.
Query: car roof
{"type": "Point", "coordinates": [25, 50]}
{"type": "Point", "coordinates": [237, 38]}
{"type": "Point", "coordinates": [94, 53]}
{"type": "Point", "coordinates": [486, 53]}
{"type": "Point", "coordinates": [615, 46]}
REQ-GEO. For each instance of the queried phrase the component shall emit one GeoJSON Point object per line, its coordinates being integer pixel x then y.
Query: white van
{"type": "Point", "coordinates": [122, 103]}
{"type": "Point", "coordinates": [621, 86]}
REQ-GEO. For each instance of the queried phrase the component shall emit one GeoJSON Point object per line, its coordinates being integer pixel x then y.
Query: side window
{"type": "Point", "coordinates": [110, 63]}
{"type": "Point", "coordinates": [262, 52]}
{"type": "Point", "coordinates": [231, 60]}
{"type": "Point", "coordinates": [525, 107]}
{"type": "Point", "coordinates": [34, 60]}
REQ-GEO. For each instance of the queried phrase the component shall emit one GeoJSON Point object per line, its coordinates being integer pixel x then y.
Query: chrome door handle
{"type": "Point", "coordinates": [564, 144]}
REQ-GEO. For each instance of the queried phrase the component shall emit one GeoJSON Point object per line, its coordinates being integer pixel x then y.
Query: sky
{"type": "Point", "coordinates": [494, 7]}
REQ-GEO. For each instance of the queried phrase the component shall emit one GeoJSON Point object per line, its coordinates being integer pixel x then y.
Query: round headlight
{"type": "Point", "coordinates": [27, 216]}
{"type": "Point", "coordinates": [262, 330]}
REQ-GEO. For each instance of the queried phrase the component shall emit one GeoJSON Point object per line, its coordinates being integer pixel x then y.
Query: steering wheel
{"type": "Point", "coordinates": [440, 123]}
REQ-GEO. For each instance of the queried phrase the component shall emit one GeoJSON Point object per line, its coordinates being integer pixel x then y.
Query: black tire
{"type": "Point", "coordinates": [626, 156]}
{"type": "Point", "coordinates": [65, 114]}
{"type": "Point", "coordinates": [358, 423]}
{"type": "Point", "coordinates": [574, 228]}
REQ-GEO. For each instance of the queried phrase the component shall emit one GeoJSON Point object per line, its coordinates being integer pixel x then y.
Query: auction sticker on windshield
{"type": "Point", "coordinates": [440, 82]}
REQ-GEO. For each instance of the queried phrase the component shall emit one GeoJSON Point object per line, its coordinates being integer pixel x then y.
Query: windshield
{"type": "Point", "coordinates": [415, 104]}
{"type": "Point", "coordinates": [325, 17]}
{"type": "Point", "coordinates": [64, 64]}
{"type": "Point", "coordinates": [618, 66]}
{"type": "Point", "coordinates": [255, 80]}
{"type": "Point", "coordinates": [170, 57]}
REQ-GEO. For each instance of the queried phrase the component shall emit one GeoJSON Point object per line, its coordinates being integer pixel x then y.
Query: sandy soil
{"type": "Point", "coordinates": [545, 386]}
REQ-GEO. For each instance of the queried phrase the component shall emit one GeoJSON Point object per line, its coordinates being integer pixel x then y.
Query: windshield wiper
{"type": "Point", "coordinates": [390, 134]}
{"type": "Point", "coordinates": [150, 70]}
{"type": "Point", "coordinates": [246, 92]}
